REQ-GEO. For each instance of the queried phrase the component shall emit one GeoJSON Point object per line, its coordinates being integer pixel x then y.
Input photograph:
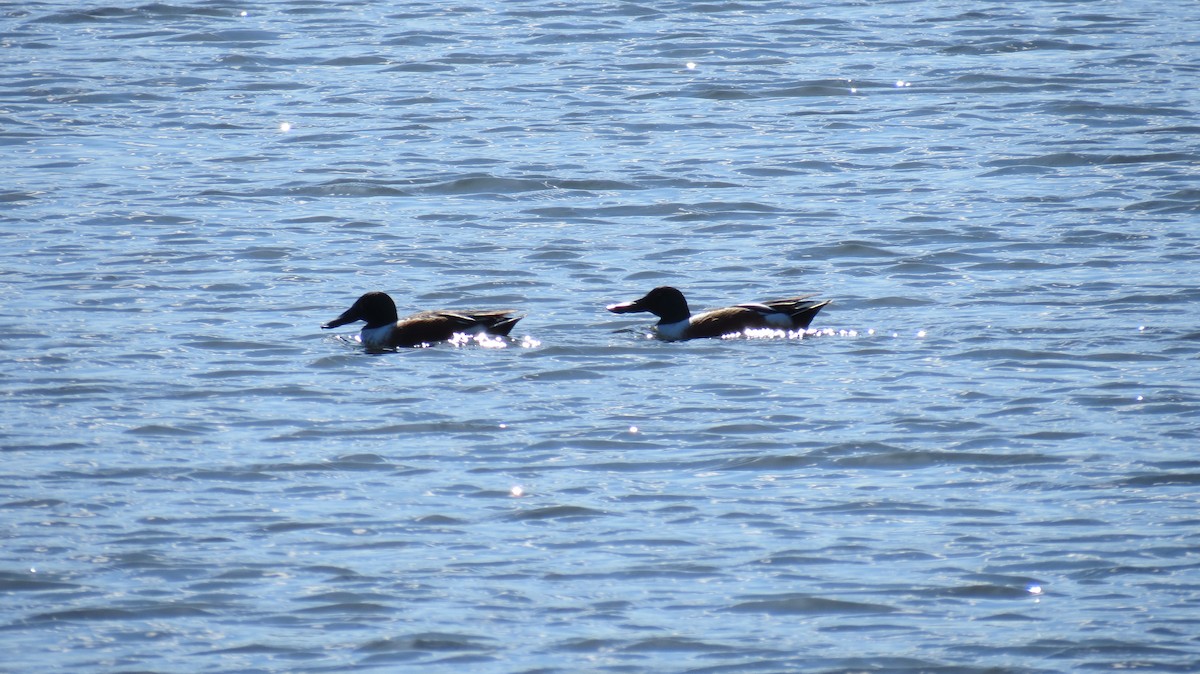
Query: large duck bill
{"type": "Point", "coordinates": [626, 308]}
{"type": "Point", "coordinates": [348, 316]}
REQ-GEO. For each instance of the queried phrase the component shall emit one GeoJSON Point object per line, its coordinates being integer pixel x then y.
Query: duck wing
{"type": "Point", "coordinates": [493, 322]}
{"type": "Point", "coordinates": [793, 312]}
{"type": "Point", "coordinates": [427, 327]}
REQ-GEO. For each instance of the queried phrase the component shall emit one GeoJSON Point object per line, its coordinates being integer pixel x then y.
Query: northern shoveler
{"type": "Point", "coordinates": [676, 322]}
{"type": "Point", "coordinates": [385, 329]}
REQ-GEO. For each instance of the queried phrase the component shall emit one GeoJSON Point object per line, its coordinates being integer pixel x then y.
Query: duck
{"type": "Point", "coordinates": [676, 322]}
{"type": "Point", "coordinates": [386, 330]}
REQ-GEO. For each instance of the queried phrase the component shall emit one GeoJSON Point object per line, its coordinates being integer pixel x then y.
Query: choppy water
{"type": "Point", "coordinates": [987, 464]}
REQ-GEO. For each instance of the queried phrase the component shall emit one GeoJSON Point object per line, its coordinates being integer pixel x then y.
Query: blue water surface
{"type": "Point", "coordinates": [984, 460]}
